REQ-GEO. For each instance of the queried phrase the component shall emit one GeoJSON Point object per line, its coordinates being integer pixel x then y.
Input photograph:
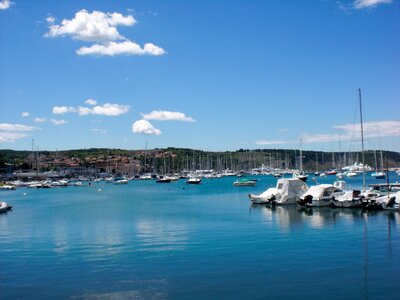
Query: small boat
{"type": "Point", "coordinates": [4, 207]}
{"type": "Point", "coordinates": [379, 175]}
{"type": "Point", "coordinates": [351, 174]}
{"type": "Point", "coordinates": [287, 191]}
{"type": "Point", "coordinates": [7, 187]}
{"type": "Point", "coordinates": [164, 180]}
{"type": "Point", "coordinates": [121, 181]}
{"type": "Point", "coordinates": [193, 180]}
{"type": "Point", "coordinates": [320, 195]}
{"type": "Point", "coordinates": [245, 182]}
{"type": "Point", "coordinates": [331, 172]}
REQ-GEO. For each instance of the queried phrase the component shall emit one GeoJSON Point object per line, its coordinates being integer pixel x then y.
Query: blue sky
{"type": "Point", "coordinates": [212, 75]}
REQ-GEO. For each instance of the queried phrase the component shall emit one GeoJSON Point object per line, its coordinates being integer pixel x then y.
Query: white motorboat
{"type": "Point", "coordinates": [193, 180]}
{"type": "Point", "coordinates": [7, 187]}
{"type": "Point", "coordinates": [320, 195]}
{"type": "Point", "coordinates": [4, 207]}
{"type": "Point", "coordinates": [287, 191]}
{"type": "Point", "coordinates": [245, 182]}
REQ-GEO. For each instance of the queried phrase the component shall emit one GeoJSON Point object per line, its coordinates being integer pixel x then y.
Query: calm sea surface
{"type": "Point", "coordinates": [153, 241]}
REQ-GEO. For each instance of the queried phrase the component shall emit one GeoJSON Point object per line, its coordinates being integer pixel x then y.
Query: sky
{"type": "Point", "coordinates": [211, 75]}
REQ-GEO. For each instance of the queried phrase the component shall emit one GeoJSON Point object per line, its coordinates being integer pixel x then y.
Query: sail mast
{"type": "Point", "coordinates": [362, 139]}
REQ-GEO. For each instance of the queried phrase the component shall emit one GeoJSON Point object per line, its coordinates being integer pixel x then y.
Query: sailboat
{"type": "Point", "coordinates": [300, 174]}
{"type": "Point", "coordinates": [378, 174]}
{"type": "Point", "coordinates": [354, 198]}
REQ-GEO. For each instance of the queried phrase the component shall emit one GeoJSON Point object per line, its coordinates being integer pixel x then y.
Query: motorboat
{"type": "Point", "coordinates": [331, 172]}
{"type": "Point", "coordinates": [193, 180]}
{"type": "Point", "coordinates": [379, 175]}
{"type": "Point", "coordinates": [7, 187]}
{"type": "Point", "coordinates": [300, 175]}
{"type": "Point", "coordinates": [120, 180]}
{"type": "Point", "coordinates": [351, 174]}
{"type": "Point", "coordinates": [164, 179]}
{"type": "Point", "coordinates": [320, 195]}
{"type": "Point", "coordinates": [4, 207]}
{"type": "Point", "coordinates": [287, 191]}
{"type": "Point", "coordinates": [245, 182]}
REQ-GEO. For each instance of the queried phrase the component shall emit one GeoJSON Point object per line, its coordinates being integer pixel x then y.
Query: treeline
{"type": "Point", "coordinates": [177, 159]}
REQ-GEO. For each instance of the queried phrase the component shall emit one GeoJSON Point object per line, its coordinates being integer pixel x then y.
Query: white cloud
{"type": "Point", "coordinates": [11, 137]}
{"type": "Point", "coordinates": [353, 132]}
{"type": "Point", "coordinates": [5, 4]}
{"type": "Point", "coordinates": [39, 120]}
{"type": "Point", "coordinates": [60, 110]}
{"type": "Point", "coordinates": [96, 26]}
{"type": "Point", "coordinates": [372, 129]}
{"type": "Point", "coordinates": [145, 127]}
{"type": "Point", "coordinates": [101, 131]}
{"type": "Point", "coordinates": [266, 142]}
{"type": "Point", "coordinates": [58, 122]}
{"type": "Point", "coordinates": [16, 127]}
{"type": "Point", "coordinates": [121, 48]}
{"type": "Point", "coordinates": [12, 132]}
{"type": "Point", "coordinates": [90, 102]}
{"type": "Point", "coordinates": [361, 4]}
{"type": "Point", "coordinates": [107, 109]}
{"type": "Point", "coordinates": [283, 130]}
{"type": "Point", "coordinates": [25, 114]}
{"type": "Point", "coordinates": [162, 115]}
{"type": "Point", "coordinates": [101, 28]}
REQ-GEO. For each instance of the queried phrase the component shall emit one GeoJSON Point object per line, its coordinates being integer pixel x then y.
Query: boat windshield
{"type": "Point", "coordinates": [280, 186]}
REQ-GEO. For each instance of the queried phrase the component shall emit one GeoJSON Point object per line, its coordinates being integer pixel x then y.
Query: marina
{"type": "Point", "coordinates": [147, 240]}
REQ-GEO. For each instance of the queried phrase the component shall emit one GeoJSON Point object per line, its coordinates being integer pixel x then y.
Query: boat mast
{"type": "Point", "coordinates": [362, 139]}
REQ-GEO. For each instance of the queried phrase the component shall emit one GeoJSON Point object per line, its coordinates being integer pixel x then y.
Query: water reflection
{"type": "Point", "coordinates": [292, 216]}
{"type": "Point", "coordinates": [161, 236]}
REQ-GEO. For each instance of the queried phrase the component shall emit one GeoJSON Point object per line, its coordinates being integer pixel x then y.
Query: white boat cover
{"type": "Point", "coordinates": [287, 191]}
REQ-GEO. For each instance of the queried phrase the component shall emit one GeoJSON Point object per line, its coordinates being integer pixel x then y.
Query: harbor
{"type": "Point", "coordinates": [149, 240]}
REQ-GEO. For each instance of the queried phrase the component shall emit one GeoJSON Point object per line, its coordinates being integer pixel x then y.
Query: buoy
{"type": "Point", "coordinates": [99, 190]}
{"type": "Point", "coordinates": [24, 194]}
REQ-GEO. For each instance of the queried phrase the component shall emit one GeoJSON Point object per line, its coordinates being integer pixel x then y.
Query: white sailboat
{"type": "Point", "coordinates": [353, 198]}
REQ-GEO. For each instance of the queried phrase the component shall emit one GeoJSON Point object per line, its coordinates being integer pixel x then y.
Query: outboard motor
{"type": "Point", "coordinates": [307, 200]}
{"type": "Point", "coordinates": [391, 202]}
{"type": "Point", "coordinates": [271, 200]}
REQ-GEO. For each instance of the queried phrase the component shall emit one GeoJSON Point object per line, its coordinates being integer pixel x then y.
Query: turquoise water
{"type": "Point", "coordinates": [153, 241]}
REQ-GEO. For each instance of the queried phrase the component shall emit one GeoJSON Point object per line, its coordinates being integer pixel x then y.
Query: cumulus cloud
{"type": "Point", "coordinates": [5, 4]}
{"type": "Point", "coordinates": [12, 132]}
{"type": "Point", "coordinates": [90, 102]}
{"type": "Point", "coordinates": [25, 114]}
{"type": "Point", "coordinates": [162, 115]}
{"type": "Point", "coordinates": [39, 120]}
{"type": "Point", "coordinates": [361, 4]}
{"type": "Point", "coordinates": [120, 48]}
{"type": "Point", "coordinates": [60, 110]}
{"type": "Point", "coordinates": [58, 122]}
{"type": "Point", "coordinates": [145, 127]}
{"type": "Point", "coordinates": [96, 26]}
{"type": "Point", "coordinates": [101, 28]}
{"type": "Point", "coordinates": [107, 109]}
